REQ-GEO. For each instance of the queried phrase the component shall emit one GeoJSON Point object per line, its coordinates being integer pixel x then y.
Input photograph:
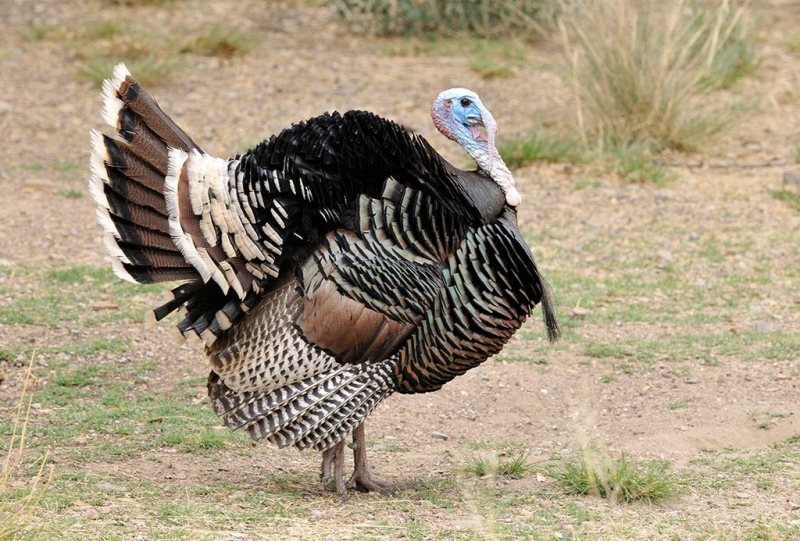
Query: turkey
{"type": "Point", "coordinates": [329, 267]}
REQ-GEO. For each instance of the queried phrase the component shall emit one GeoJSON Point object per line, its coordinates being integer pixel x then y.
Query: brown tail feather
{"type": "Point", "coordinates": [128, 184]}
{"type": "Point", "coordinates": [142, 108]}
{"type": "Point", "coordinates": [161, 222]}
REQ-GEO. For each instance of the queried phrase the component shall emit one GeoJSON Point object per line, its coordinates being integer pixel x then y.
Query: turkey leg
{"type": "Point", "coordinates": [332, 471]}
{"type": "Point", "coordinates": [362, 478]}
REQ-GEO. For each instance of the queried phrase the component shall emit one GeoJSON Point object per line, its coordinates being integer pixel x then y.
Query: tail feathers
{"type": "Point", "coordinates": [128, 184]}
{"type": "Point", "coordinates": [317, 412]}
{"type": "Point", "coordinates": [125, 103]}
{"type": "Point", "coordinates": [162, 202]}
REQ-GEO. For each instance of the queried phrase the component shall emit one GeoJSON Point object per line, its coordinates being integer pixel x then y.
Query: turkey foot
{"type": "Point", "coordinates": [332, 471]}
{"type": "Point", "coordinates": [362, 479]}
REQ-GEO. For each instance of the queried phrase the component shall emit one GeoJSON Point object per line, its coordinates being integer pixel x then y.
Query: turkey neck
{"type": "Point", "coordinates": [481, 194]}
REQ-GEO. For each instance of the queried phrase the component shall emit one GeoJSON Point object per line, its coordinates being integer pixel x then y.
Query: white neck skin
{"type": "Point", "coordinates": [481, 148]}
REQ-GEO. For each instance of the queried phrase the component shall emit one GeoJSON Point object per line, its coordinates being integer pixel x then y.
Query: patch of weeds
{"type": "Point", "coordinates": [208, 439]}
{"type": "Point", "coordinates": [633, 163]}
{"type": "Point", "coordinates": [57, 296]}
{"type": "Point", "coordinates": [608, 378]}
{"type": "Point", "coordinates": [71, 193]}
{"type": "Point", "coordinates": [605, 349]}
{"type": "Point", "coordinates": [396, 448]}
{"type": "Point", "coordinates": [513, 468]}
{"type": "Point", "coordinates": [679, 403]}
{"type": "Point", "coordinates": [537, 147]}
{"type": "Point", "coordinates": [616, 479]}
{"type": "Point", "coordinates": [42, 32]}
{"type": "Point", "coordinates": [221, 41]}
{"type": "Point", "coordinates": [149, 70]}
{"type": "Point", "coordinates": [107, 29]}
{"type": "Point", "coordinates": [790, 197]}
{"type": "Point", "coordinates": [489, 68]}
{"type": "Point", "coordinates": [443, 493]}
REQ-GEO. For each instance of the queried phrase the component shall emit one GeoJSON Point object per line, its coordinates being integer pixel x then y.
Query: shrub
{"type": "Point", "coordinates": [484, 18]}
{"type": "Point", "coordinates": [643, 76]}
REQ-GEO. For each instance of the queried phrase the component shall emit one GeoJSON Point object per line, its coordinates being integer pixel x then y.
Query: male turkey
{"type": "Point", "coordinates": [337, 263]}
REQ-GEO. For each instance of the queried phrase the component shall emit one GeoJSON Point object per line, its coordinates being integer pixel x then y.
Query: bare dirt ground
{"type": "Point", "coordinates": [306, 63]}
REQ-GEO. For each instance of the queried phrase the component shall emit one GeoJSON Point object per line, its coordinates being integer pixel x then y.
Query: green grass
{"type": "Point", "coordinates": [75, 295]}
{"type": "Point", "coordinates": [634, 163]}
{"type": "Point", "coordinates": [152, 56]}
{"type": "Point", "coordinates": [148, 69]}
{"type": "Point", "coordinates": [511, 468]}
{"type": "Point", "coordinates": [617, 479]}
{"type": "Point", "coordinates": [538, 147]}
{"type": "Point", "coordinates": [790, 197]}
{"type": "Point", "coordinates": [679, 403]}
{"type": "Point", "coordinates": [71, 193]}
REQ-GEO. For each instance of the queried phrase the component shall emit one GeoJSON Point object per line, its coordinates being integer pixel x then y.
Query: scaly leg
{"type": "Point", "coordinates": [362, 478]}
{"type": "Point", "coordinates": [332, 471]}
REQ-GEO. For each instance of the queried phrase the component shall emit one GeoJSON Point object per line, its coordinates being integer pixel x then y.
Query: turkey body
{"type": "Point", "coordinates": [339, 262]}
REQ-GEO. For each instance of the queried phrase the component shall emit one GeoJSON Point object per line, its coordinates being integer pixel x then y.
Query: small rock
{"type": "Point", "coordinates": [692, 380]}
{"type": "Point", "coordinates": [764, 327]}
{"type": "Point", "coordinates": [111, 487]}
{"type": "Point", "coordinates": [665, 255]}
{"type": "Point", "coordinates": [91, 514]}
{"type": "Point", "coordinates": [104, 305]}
{"type": "Point", "coordinates": [579, 312]}
{"type": "Point", "coordinates": [439, 436]}
{"type": "Point", "coordinates": [791, 177]}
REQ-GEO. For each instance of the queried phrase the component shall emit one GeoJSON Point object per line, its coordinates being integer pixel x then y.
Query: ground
{"type": "Point", "coordinates": [680, 303]}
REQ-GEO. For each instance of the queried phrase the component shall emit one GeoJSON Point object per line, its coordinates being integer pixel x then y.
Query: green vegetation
{"type": "Point", "coordinates": [617, 479]}
{"type": "Point", "coordinates": [70, 193]}
{"type": "Point", "coordinates": [66, 296]}
{"type": "Point", "coordinates": [643, 77]}
{"type": "Point", "coordinates": [537, 147]}
{"type": "Point", "coordinates": [152, 56]}
{"type": "Point", "coordinates": [634, 163]}
{"type": "Point", "coordinates": [482, 18]}
{"type": "Point", "coordinates": [513, 468]}
{"type": "Point", "coordinates": [790, 197]}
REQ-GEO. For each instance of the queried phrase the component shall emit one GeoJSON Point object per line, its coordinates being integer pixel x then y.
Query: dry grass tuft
{"type": "Point", "coordinates": [640, 75]}
{"type": "Point", "coordinates": [19, 501]}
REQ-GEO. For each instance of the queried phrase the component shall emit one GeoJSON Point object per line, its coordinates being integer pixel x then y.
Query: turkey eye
{"type": "Point", "coordinates": [465, 102]}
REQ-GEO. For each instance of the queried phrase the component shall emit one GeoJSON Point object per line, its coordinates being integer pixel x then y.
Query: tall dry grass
{"type": "Point", "coordinates": [647, 72]}
{"type": "Point", "coordinates": [20, 497]}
